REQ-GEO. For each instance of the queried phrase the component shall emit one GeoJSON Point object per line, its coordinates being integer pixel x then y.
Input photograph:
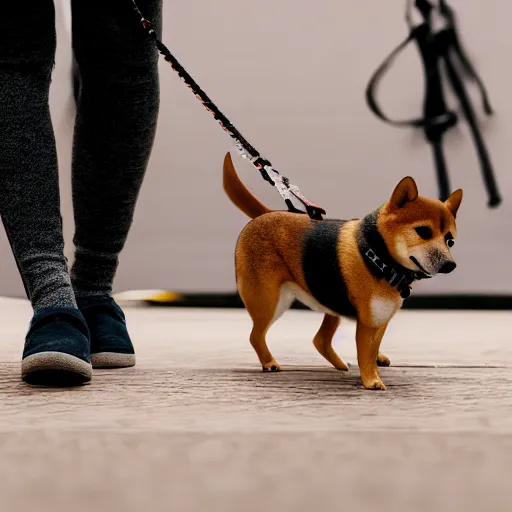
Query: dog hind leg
{"type": "Point", "coordinates": [383, 360]}
{"type": "Point", "coordinates": [323, 342]}
{"type": "Point", "coordinates": [261, 301]}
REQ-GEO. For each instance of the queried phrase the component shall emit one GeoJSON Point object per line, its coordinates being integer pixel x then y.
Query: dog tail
{"type": "Point", "coordinates": [238, 193]}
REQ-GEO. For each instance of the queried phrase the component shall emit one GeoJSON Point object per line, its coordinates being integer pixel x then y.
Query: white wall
{"type": "Point", "coordinates": [291, 76]}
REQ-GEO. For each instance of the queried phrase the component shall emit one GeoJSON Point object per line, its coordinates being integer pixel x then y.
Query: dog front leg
{"type": "Point", "coordinates": [368, 343]}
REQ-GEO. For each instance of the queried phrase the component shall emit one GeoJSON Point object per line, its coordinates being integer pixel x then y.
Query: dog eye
{"type": "Point", "coordinates": [450, 242]}
{"type": "Point", "coordinates": [425, 232]}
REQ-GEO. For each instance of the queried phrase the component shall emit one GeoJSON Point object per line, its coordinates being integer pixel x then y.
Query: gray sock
{"type": "Point", "coordinates": [29, 186]}
{"type": "Point", "coordinates": [117, 105]}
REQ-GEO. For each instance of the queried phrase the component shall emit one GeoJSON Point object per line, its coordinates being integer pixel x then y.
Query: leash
{"type": "Point", "coordinates": [287, 190]}
{"type": "Point", "coordinates": [438, 48]}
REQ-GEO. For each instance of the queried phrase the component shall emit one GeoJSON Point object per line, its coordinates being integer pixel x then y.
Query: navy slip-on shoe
{"type": "Point", "coordinates": [57, 349]}
{"type": "Point", "coordinates": [111, 346]}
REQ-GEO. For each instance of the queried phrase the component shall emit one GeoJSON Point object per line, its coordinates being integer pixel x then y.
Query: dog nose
{"type": "Point", "coordinates": [448, 267]}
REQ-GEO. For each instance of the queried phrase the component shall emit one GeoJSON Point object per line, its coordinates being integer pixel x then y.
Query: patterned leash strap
{"type": "Point", "coordinates": [287, 190]}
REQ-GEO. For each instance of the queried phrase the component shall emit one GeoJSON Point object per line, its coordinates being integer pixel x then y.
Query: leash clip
{"type": "Point", "coordinates": [260, 163]}
{"type": "Point", "coordinates": [289, 191]}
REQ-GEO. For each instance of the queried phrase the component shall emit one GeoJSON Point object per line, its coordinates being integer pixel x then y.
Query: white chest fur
{"type": "Point", "coordinates": [382, 309]}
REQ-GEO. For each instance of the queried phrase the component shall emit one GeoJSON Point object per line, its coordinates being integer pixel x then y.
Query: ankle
{"type": "Point", "coordinates": [100, 304]}
{"type": "Point", "coordinates": [93, 271]}
{"type": "Point", "coordinates": [64, 299]}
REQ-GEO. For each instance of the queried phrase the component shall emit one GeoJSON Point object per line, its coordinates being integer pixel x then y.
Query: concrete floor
{"type": "Point", "coordinates": [195, 426]}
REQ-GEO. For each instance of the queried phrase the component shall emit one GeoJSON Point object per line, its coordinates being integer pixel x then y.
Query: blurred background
{"type": "Point", "coordinates": [291, 76]}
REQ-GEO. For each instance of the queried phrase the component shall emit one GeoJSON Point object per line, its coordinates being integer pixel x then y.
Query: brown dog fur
{"type": "Point", "coordinates": [270, 268]}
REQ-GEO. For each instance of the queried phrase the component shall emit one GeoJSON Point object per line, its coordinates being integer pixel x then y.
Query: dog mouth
{"type": "Point", "coordinates": [423, 271]}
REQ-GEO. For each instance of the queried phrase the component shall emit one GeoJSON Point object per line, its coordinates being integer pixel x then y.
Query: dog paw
{"type": "Point", "coordinates": [374, 383]}
{"type": "Point", "coordinates": [271, 367]}
{"type": "Point", "coordinates": [341, 366]}
{"type": "Point", "coordinates": [383, 360]}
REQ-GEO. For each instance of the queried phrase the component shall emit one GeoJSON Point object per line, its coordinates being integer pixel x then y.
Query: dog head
{"type": "Point", "coordinates": [419, 231]}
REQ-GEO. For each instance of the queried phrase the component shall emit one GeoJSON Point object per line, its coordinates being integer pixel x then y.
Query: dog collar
{"type": "Point", "coordinates": [395, 278]}
{"type": "Point", "coordinates": [379, 261]}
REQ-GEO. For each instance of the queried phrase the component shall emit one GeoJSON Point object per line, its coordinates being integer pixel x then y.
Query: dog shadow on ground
{"type": "Point", "coordinates": [323, 380]}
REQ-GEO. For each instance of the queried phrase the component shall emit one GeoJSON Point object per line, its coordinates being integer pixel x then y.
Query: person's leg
{"type": "Point", "coordinates": [29, 186]}
{"type": "Point", "coordinates": [29, 193]}
{"type": "Point", "coordinates": [117, 108]}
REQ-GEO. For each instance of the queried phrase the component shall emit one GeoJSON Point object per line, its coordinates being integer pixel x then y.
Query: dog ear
{"type": "Point", "coordinates": [453, 201]}
{"type": "Point", "coordinates": [405, 192]}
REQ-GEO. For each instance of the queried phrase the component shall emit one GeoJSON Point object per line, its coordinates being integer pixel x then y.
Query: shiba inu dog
{"type": "Point", "coordinates": [360, 269]}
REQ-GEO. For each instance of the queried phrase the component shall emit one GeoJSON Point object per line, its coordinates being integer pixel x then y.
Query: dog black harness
{"type": "Point", "coordinates": [439, 47]}
{"type": "Point", "coordinates": [322, 267]}
{"type": "Point", "coordinates": [378, 260]}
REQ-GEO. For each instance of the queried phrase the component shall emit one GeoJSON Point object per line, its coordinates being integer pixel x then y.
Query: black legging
{"type": "Point", "coordinates": [117, 111]}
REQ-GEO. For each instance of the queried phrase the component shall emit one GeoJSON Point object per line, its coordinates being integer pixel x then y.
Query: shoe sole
{"type": "Point", "coordinates": [112, 360]}
{"type": "Point", "coordinates": [55, 369]}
